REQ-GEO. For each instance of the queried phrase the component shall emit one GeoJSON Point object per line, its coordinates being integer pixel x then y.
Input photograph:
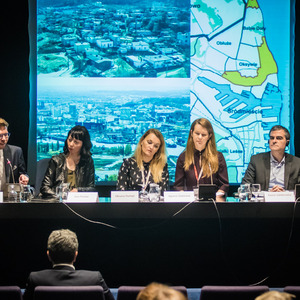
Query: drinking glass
{"type": "Point", "coordinates": [154, 192]}
{"type": "Point", "coordinates": [62, 191]}
{"type": "Point", "coordinates": [27, 193]}
{"type": "Point", "coordinates": [255, 189]}
{"type": "Point", "coordinates": [244, 192]}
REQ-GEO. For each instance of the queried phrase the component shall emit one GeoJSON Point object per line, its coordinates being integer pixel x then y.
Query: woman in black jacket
{"type": "Point", "coordinates": [74, 166]}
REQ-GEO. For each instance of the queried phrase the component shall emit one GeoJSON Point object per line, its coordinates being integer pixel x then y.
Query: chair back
{"type": "Point", "coordinates": [10, 293]}
{"type": "Point", "coordinates": [293, 289]}
{"type": "Point", "coordinates": [41, 168]}
{"type": "Point", "coordinates": [126, 292]}
{"type": "Point", "coordinates": [232, 292]}
{"type": "Point", "coordinates": [68, 293]}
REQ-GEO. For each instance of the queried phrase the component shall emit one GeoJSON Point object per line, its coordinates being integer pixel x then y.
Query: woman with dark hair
{"type": "Point", "coordinates": [74, 166]}
{"type": "Point", "coordinates": [201, 163]}
{"type": "Point", "coordinates": [147, 165]}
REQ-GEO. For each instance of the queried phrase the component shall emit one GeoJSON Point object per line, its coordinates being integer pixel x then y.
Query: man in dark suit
{"type": "Point", "coordinates": [62, 251]}
{"type": "Point", "coordinates": [276, 170]}
{"type": "Point", "coordinates": [12, 164]}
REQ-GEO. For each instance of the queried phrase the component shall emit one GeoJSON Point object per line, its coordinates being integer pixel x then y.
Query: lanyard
{"type": "Point", "coordinates": [144, 186]}
{"type": "Point", "coordinates": [196, 174]}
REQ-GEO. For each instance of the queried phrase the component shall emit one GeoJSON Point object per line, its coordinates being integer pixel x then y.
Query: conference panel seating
{"type": "Point", "coordinates": [41, 168]}
{"type": "Point", "coordinates": [295, 290]}
{"type": "Point", "coordinates": [68, 293]}
{"type": "Point", "coordinates": [126, 292]}
{"type": "Point", "coordinates": [10, 293]}
{"type": "Point", "coordinates": [232, 292]}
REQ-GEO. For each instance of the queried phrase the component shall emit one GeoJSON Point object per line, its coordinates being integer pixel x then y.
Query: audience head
{"type": "Point", "coordinates": [158, 291]}
{"type": "Point", "coordinates": [275, 295]}
{"type": "Point", "coordinates": [201, 135]}
{"type": "Point", "coordinates": [4, 134]}
{"type": "Point", "coordinates": [79, 133]}
{"type": "Point", "coordinates": [62, 246]}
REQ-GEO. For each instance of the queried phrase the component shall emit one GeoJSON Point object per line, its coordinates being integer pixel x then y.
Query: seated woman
{"type": "Point", "coordinates": [75, 165]}
{"type": "Point", "coordinates": [201, 163]}
{"type": "Point", "coordinates": [147, 165]}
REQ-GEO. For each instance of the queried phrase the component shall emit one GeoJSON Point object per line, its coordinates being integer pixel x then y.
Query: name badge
{"type": "Point", "coordinates": [124, 196]}
{"type": "Point", "coordinates": [279, 197]}
{"type": "Point", "coordinates": [82, 197]}
{"type": "Point", "coordinates": [180, 196]}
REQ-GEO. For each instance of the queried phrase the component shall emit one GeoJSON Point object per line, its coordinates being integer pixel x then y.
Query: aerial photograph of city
{"type": "Point", "coordinates": [116, 118]}
{"type": "Point", "coordinates": [113, 38]}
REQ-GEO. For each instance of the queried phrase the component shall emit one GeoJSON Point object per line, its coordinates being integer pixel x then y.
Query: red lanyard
{"type": "Point", "coordinates": [196, 174]}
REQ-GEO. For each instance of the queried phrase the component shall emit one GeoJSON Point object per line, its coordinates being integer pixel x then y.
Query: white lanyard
{"type": "Point", "coordinates": [144, 186]}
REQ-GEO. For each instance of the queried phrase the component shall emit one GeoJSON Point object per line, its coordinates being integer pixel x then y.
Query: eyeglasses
{"type": "Point", "coordinates": [5, 135]}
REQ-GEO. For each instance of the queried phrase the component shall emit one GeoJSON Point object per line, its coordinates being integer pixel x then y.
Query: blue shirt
{"type": "Point", "coordinates": [276, 172]}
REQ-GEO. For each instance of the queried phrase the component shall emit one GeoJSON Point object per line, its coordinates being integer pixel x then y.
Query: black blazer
{"type": "Point", "coordinates": [258, 171]}
{"type": "Point", "coordinates": [65, 276]}
{"type": "Point", "coordinates": [13, 154]}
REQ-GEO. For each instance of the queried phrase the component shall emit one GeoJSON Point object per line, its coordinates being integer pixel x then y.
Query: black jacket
{"type": "Point", "coordinates": [16, 164]}
{"type": "Point", "coordinates": [57, 173]}
{"type": "Point", "coordinates": [65, 276]}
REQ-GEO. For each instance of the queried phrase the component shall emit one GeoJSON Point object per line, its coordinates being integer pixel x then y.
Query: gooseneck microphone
{"type": "Point", "coordinates": [12, 173]}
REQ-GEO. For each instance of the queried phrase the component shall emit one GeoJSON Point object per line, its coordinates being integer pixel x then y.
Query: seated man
{"type": "Point", "coordinates": [12, 164]}
{"type": "Point", "coordinates": [275, 171]}
{"type": "Point", "coordinates": [62, 250]}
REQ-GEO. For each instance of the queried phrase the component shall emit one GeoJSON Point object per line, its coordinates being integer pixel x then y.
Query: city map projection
{"type": "Point", "coordinates": [241, 74]}
{"type": "Point", "coordinates": [120, 67]}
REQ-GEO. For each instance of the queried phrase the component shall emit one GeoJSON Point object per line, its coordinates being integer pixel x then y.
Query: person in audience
{"type": "Point", "coordinates": [201, 163]}
{"type": "Point", "coordinates": [158, 291]}
{"type": "Point", "coordinates": [275, 170]}
{"type": "Point", "coordinates": [147, 165]}
{"type": "Point", "coordinates": [75, 165]}
{"type": "Point", "coordinates": [12, 164]}
{"type": "Point", "coordinates": [62, 251]}
{"type": "Point", "coordinates": [275, 295]}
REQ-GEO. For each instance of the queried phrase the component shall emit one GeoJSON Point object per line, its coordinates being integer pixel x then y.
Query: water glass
{"type": "Point", "coordinates": [12, 193]}
{"type": "Point", "coordinates": [196, 192]}
{"type": "Point", "coordinates": [143, 196]}
{"type": "Point", "coordinates": [244, 192]}
{"type": "Point", "coordinates": [27, 193]}
{"type": "Point", "coordinates": [62, 191]}
{"type": "Point", "coordinates": [255, 189]}
{"type": "Point", "coordinates": [154, 192]}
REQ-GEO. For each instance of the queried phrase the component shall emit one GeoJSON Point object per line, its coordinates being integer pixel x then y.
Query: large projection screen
{"type": "Point", "coordinates": [120, 67]}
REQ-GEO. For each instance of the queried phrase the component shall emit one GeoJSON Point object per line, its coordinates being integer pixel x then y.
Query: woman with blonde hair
{"type": "Point", "coordinates": [147, 165]}
{"type": "Point", "coordinates": [201, 163]}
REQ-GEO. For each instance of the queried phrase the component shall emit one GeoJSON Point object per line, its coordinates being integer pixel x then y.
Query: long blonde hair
{"type": "Point", "coordinates": [209, 158]}
{"type": "Point", "coordinates": [159, 159]}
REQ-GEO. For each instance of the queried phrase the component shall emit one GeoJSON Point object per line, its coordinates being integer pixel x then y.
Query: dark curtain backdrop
{"type": "Point", "coordinates": [15, 72]}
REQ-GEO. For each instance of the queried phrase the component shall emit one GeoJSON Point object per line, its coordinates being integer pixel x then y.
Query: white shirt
{"type": "Point", "coordinates": [2, 171]}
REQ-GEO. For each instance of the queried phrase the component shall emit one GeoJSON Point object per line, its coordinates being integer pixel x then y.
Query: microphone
{"type": "Point", "coordinates": [211, 180]}
{"type": "Point", "coordinates": [12, 172]}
